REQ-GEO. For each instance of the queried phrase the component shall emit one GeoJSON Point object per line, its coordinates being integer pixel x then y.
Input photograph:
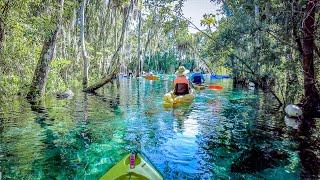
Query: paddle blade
{"type": "Point", "coordinates": [215, 87]}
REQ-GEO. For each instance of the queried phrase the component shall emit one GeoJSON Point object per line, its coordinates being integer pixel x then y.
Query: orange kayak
{"type": "Point", "coordinates": [152, 78]}
{"type": "Point", "coordinates": [215, 87]}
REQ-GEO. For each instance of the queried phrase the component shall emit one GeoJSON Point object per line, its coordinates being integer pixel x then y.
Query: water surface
{"type": "Point", "coordinates": [83, 137]}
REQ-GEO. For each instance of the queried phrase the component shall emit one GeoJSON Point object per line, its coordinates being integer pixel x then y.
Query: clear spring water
{"type": "Point", "coordinates": [83, 137]}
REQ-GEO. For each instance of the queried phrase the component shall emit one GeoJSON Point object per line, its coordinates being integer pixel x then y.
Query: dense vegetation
{"type": "Point", "coordinates": [273, 44]}
{"type": "Point", "coordinates": [49, 46]}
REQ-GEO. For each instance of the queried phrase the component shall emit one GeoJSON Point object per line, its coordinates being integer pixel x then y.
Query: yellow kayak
{"type": "Point", "coordinates": [171, 101]}
{"type": "Point", "coordinates": [141, 170]}
{"type": "Point", "coordinates": [199, 87]}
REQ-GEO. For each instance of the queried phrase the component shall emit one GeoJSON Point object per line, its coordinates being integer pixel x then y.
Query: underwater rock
{"type": "Point", "coordinates": [292, 122]}
{"type": "Point", "coordinates": [68, 94]}
{"type": "Point", "coordinates": [293, 110]}
{"type": "Point", "coordinates": [251, 87]}
{"type": "Point", "coordinates": [258, 159]}
{"type": "Point", "coordinates": [251, 84]}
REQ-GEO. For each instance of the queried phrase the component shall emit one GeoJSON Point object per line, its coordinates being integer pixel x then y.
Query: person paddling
{"type": "Point", "coordinates": [197, 77]}
{"type": "Point", "coordinates": [181, 83]}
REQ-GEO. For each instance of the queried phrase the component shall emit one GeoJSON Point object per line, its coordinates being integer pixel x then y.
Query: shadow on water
{"type": "Point", "coordinates": [111, 102]}
{"type": "Point", "coordinates": [309, 148]}
{"type": "Point", "coordinates": [58, 158]}
{"type": "Point", "coordinates": [52, 153]}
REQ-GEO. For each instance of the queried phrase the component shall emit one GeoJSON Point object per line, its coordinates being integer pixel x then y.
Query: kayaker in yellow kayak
{"type": "Point", "coordinates": [181, 83]}
{"type": "Point", "coordinates": [182, 93]}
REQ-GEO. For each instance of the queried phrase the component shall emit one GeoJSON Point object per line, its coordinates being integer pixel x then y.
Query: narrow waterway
{"type": "Point", "coordinates": [218, 136]}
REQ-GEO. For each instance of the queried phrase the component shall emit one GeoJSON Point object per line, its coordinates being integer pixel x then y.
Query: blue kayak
{"type": "Point", "coordinates": [214, 76]}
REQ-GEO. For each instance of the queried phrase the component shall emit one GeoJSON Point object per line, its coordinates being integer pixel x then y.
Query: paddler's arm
{"type": "Point", "coordinates": [191, 78]}
{"type": "Point", "coordinates": [202, 78]}
{"type": "Point", "coordinates": [190, 83]}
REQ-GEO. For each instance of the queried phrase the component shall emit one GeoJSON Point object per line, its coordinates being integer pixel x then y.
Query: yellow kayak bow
{"type": "Point", "coordinates": [141, 170]}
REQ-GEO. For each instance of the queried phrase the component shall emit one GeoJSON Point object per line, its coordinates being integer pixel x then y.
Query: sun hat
{"type": "Point", "coordinates": [182, 71]}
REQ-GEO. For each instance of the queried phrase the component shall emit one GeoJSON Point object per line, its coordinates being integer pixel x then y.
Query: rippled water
{"type": "Point", "coordinates": [83, 137]}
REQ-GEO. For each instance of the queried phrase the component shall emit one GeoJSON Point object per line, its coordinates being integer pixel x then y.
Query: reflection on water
{"type": "Point", "coordinates": [221, 134]}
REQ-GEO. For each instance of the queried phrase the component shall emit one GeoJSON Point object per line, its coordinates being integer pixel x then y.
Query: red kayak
{"type": "Point", "coordinates": [215, 87]}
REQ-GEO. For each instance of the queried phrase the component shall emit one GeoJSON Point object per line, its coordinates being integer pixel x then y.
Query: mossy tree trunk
{"type": "Point", "coordinates": [38, 85]}
{"type": "Point", "coordinates": [312, 98]}
{"type": "Point", "coordinates": [139, 64]}
{"type": "Point", "coordinates": [4, 10]}
{"type": "Point", "coordinates": [1, 34]}
{"type": "Point", "coordinates": [83, 47]}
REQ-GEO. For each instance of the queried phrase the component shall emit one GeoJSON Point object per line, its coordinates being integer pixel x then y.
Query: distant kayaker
{"type": "Point", "coordinates": [197, 76]}
{"type": "Point", "coordinates": [150, 73]}
{"type": "Point", "coordinates": [181, 83]}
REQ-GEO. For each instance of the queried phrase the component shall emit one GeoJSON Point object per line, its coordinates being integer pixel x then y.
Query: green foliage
{"type": "Point", "coordinates": [26, 25]}
{"type": "Point", "coordinates": [208, 20]}
{"type": "Point", "coordinates": [119, 3]}
{"type": "Point", "coordinates": [255, 41]}
{"type": "Point", "coordinates": [60, 63]}
{"type": "Point", "coordinates": [167, 62]}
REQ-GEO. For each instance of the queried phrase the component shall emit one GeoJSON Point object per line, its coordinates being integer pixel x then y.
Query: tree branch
{"type": "Point", "coordinates": [206, 34]}
{"type": "Point", "coordinates": [279, 39]}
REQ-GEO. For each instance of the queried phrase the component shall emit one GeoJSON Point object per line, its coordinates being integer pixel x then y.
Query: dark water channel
{"type": "Point", "coordinates": [228, 134]}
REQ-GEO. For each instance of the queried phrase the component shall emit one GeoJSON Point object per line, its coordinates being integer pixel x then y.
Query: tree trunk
{"type": "Point", "coordinates": [151, 34]}
{"type": "Point", "coordinates": [72, 45]}
{"type": "Point", "coordinates": [115, 28]}
{"type": "Point", "coordinates": [291, 77]}
{"type": "Point", "coordinates": [2, 62]}
{"type": "Point", "coordinates": [3, 15]}
{"type": "Point", "coordinates": [1, 35]}
{"type": "Point", "coordinates": [115, 58]}
{"type": "Point", "coordinates": [308, 26]}
{"type": "Point", "coordinates": [256, 51]}
{"type": "Point", "coordinates": [139, 69]}
{"type": "Point", "coordinates": [105, 31]}
{"type": "Point", "coordinates": [40, 77]}
{"type": "Point", "coordinates": [64, 70]}
{"type": "Point", "coordinates": [83, 47]}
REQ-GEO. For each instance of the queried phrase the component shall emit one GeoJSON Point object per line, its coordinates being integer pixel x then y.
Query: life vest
{"type": "Point", "coordinates": [182, 80]}
{"type": "Point", "coordinates": [181, 85]}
